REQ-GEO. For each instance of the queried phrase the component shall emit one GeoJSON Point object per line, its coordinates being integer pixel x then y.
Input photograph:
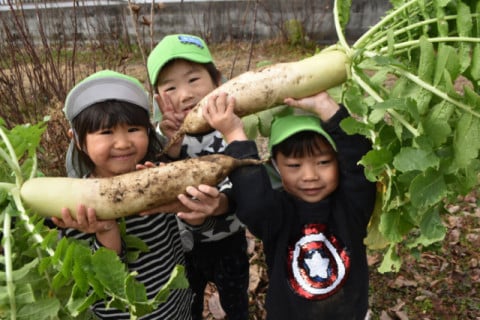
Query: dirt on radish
{"type": "Point", "coordinates": [129, 193]}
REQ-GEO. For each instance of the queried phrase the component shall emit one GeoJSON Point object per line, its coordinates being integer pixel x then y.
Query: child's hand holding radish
{"type": "Point", "coordinates": [106, 231]}
{"type": "Point", "coordinates": [321, 104]}
{"type": "Point", "coordinates": [203, 201]}
{"type": "Point", "coordinates": [219, 112]}
{"type": "Point", "coordinates": [196, 205]}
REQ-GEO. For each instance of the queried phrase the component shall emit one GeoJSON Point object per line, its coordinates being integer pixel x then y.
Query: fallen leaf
{"type": "Point", "coordinates": [215, 307]}
{"type": "Point", "coordinates": [255, 277]}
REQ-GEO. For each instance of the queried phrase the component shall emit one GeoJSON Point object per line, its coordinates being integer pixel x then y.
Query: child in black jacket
{"type": "Point", "coordinates": [313, 228]}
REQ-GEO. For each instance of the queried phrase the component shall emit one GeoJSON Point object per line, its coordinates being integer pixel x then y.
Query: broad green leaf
{"type": "Point", "coordinates": [391, 261]}
{"type": "Point", "coordinates": [59, 281]}
{"type": "Point", "coordinates": [466, 140]}
{"type": "Point", "coordinates": [375, 163]}
{"type": "Point", "coordinates": [31, 136]}
{"type": "Point", "coordinates": [19, 274]}
{"type": "Point", "coordinates": [426, 64]}
{"type": "Point", "coordinates": [352, 103]}
{"type": "Point", "coordinates": [136, 295]}
{"type": "Point", "coordinates": [135, 246]}
{"type": "Point", "coordinates": [60, 250]}
{"type": "Point", "coordinates": [352, 126]}
{"type": "Point", "coordinates": [464, 53]}
{"type": "Point", "coordinates": [68, 261]}
{"type": "Point", "coordinates": [426, 67]}
{"type": "Point", "coordinates": [177, 280]}
{"type": "Point", "coordinates": [422, 98]}
{"type": "Point", "coordinates": [24, 293]}
{"type": "Point", "coordinates": [394, 225]}
{"type": "Point", "coordinates": [266, 117]}
{"type": "Point", "coordinates": [469, 179]}
{"type": "Point", "coordinates": [39, 310]}
{"type": "Point", "coordinates": [449, 87]}
{"type": "Point", "coordinates": [82, 267]}
{"type": "Point", "coordinates": [250, 124]}
{"type": "Point", "coordinates": [134, 290]}
{"type": "Point", "coordinates": [427, 189]}
{"type": "Point", "coordinates": [376, 115]}
{"type": "Point", "coordinates": [109, 271]}
{"type": "Point", "coordinates": [78, 301]}
{"type": "Point", "coordinates": [411, 159]}
{"type": "Point", "coordinates": [432, 228]}
{"type": "Point", "coordinates": [436, 124]}
{"type": "Point", "coordinates": [472, 98]}
{"type": "Point", "coordinates": [442, 24]}
{"type": "Point", "coordinates": [447, 61]}
{"type": "Point", "coordinates": [464, 20]}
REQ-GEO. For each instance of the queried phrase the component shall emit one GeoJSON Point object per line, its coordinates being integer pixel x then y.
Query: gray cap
{"type": "Point", "coordinates": [98, 87]}
{"type": "Point", "coordinates": [101, 86]}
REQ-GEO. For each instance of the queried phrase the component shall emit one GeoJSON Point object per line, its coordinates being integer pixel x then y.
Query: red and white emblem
{"type": "Point", "coordinates": [318, 264]}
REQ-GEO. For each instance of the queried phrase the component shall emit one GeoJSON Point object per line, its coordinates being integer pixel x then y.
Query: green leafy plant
{"type": "Point", "coordinates": [409, 68]}
{"type": "Point", "coordinates": [413, 90]}
{"type": "Point", "coordinates": [44, 277]}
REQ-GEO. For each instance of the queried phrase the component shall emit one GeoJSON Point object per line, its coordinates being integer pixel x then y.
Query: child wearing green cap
{"type": "Point", "coordinates": [182, 71]}
{"type": "Point", "coordinates": [313, 228]}
{"type": "Point", "coordinates": [111, 133]}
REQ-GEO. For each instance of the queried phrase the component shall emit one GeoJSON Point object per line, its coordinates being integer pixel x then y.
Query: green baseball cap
{"type": "Point", "coordinates": [176, 46]}
{"type": "Point", "coordinates": [105, 85]}
{"type": "Point", "coordinates": [286, 126]}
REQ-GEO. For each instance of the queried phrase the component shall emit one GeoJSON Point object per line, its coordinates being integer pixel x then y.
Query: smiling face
{"type": "Point", "coordinates": [310, 174]}
{"type": "Point", "coordinates": [116, 150]}
{"type": "Point", "coordinates": [185, 83]}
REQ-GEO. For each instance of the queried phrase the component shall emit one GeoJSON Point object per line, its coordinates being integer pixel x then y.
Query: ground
{"type": "Point", "coordinates": [441, 283]}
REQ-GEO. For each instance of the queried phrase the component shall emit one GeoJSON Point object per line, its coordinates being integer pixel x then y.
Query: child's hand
{"type": "Point", "coordinates": [107, 232]}
{"type": "Point", "coordinates": [86, 221]}
{"type": "Point", "coordinates": [171, 122]}
{"type": "Point", "coordinates": [171, 119]}
{"type": "Point", "coordinates": [147, 164]}
{"type": "Point", "coordinates": [203, 201]}
{"type": "Point", "coordinates": [321, 104]}
{"type": "Point", "coordinates": [219, 114]}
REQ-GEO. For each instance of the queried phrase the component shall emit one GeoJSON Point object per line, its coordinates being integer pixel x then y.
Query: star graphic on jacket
{"type": "Point", "coordinates": [217, 144]}
{"type": "Point", "coordinates": [317, 265]}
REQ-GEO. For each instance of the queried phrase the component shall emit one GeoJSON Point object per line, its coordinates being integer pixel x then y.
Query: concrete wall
{"type": "Point", "coordinates": [219, 20]}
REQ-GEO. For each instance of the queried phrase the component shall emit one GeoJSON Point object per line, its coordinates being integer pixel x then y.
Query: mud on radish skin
{"type": "Point", "coordinates": [267, 87]}
{"type": "Point", "coordinates": [129, 193]}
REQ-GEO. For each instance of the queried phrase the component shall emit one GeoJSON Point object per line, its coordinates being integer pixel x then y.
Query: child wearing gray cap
{"type": "Point", "coordinates": [111, 133]}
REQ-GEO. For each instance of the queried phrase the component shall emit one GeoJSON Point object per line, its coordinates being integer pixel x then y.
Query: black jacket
{"type": "Point", "coordinates": [316, 258]}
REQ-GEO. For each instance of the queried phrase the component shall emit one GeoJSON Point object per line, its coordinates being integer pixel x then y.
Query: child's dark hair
{"type": "Point", "coordinates": [302, 144]}
{"type": "Point", "coordinates": [212, 70]}
{"type": "Point", "coordinates": [108, 114]}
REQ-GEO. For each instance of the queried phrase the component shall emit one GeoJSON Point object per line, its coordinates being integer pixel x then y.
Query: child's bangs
{"type": "Point", "coordinates": [113, 113]}
{"type": "Point", "coordinates": [304, 144]}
